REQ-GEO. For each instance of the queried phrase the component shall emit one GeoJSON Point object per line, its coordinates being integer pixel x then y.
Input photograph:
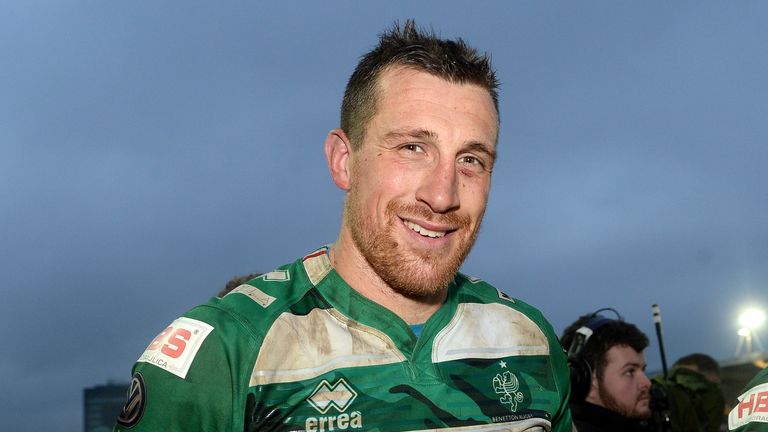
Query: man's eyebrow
{"type": "Point", "coordinates": [417, 133]}
{"type": "Point", "coordinates": [482, 148]}
{"type": "Point", "coordinates": [633, 364]}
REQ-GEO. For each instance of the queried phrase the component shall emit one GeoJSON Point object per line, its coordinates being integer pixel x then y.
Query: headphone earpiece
{"type": "Point", "coordinates": [581, 371]}
{"type": "Point", "coordinates": [581, 378]}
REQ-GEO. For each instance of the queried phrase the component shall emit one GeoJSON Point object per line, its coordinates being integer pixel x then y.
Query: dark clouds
{"type": "Point", "coordinates": [149, 152]}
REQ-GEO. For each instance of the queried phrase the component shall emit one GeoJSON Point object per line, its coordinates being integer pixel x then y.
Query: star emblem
{"type": "Point", "coordinates": [503, 364]}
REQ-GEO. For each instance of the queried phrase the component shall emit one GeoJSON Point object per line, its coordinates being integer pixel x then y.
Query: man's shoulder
{"type": "Point", "coordinates": [267, 295]}
{"type": "Point", "coordinates": [475, 290]}
{"type": "Point", "coordinates": [761, 378]}
{"type": "Point", "coordinates": [588, 417]}
{"type": "Point", "coordinates": [236, 322]}
{"type": "Point", "coordinates": [593, 418]}
{"type": "Point", "coordinates": [255, 304]}
{"type": "Point", "coordinates": [749, 412]}
{"type": "Point", "coordinates": [493, 311]}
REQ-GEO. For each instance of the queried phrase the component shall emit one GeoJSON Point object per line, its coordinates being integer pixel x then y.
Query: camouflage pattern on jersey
{"type": "Point", "coordinates": [298, 349]}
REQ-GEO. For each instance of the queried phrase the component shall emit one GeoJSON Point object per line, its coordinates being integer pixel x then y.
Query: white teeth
{"type": "Point", "coordinates": [423, 231]}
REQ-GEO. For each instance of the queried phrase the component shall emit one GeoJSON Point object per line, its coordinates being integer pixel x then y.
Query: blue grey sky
{"type": "Point", "coordinates": [150, 151]}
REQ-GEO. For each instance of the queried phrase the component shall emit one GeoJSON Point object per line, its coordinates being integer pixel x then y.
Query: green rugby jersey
{"type": "Point", "coordinates": [750, 412]}
{"type": "Point", "coordinates": [298, 349]}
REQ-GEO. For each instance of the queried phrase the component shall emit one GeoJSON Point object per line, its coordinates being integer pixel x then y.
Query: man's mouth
{"type": "Point", "coordinates": [423, 231]}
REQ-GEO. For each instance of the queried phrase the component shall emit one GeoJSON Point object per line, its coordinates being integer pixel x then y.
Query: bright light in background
{"type": "Point", "coordinates": [752, 319]}
{"type": "Point", "coordinates": [749, 321]}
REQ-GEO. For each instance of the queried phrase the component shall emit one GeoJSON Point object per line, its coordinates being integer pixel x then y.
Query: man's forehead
{"type": "Point", "coordinates": [625, 354]}
{"type": "Point", "coordinates": [399, 84]}
{"type": "Point", "coordinates": [402, 77]}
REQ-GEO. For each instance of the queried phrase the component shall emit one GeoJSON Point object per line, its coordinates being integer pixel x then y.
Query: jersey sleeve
{"type": "Point", "coordinates": [562, 421]}
{"type": "Point", "coordinates": [750, 411]}
{"type": "Point", "coordinates": [189, 378]}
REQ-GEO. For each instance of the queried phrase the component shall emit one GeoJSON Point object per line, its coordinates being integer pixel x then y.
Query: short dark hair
{"type": "Point", "coordinates": [703, 362]}
{"type": "Point", "coordinates": [608, 335]}
{"type": "Point", "coordinates": [411, 47]}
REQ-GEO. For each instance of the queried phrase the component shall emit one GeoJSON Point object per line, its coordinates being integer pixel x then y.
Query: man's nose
{"type": "Point", "coordinates": [439, 187]}
{"type": "Point", "coordinates": [645, 382]}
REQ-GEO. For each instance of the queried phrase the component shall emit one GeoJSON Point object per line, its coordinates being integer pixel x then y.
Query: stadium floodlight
{"type": "Point", "coordinates": [752, 319]}
{"type": "Point", "coordinates": [749, 321]}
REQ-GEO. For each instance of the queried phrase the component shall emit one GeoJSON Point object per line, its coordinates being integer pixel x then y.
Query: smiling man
{"type": "Point", "coordinates": [378, 331]}
{"type": "Point", "coordinates": [416, 189]}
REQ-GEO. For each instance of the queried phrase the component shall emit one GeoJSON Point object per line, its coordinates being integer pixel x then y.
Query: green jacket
{"type": "Point", "coordinates": [696, 405]}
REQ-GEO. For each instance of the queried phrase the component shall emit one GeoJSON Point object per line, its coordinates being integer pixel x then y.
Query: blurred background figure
{"type": "Point", "coordinates": [696, 401]}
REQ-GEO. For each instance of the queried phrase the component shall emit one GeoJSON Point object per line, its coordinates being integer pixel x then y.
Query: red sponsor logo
{"type": "Point", "coordinates": [175, 348]}
{"type": "Point", "coordinates": [755, 403]}
{"type": "Point", "coordinates": [171, 341]}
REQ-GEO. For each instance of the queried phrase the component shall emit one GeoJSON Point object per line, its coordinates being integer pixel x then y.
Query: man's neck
{"type": "Point", "coordinates": [350, 264]}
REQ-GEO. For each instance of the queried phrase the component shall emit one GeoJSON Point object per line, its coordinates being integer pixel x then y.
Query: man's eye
{"type": "Point", "coordinates": [413, 148]}
{"type": "Point", "coordinates": [473, 162]}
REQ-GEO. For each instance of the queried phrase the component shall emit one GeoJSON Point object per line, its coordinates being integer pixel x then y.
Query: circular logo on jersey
{"type": "Point", "coordinates": [134, 407]}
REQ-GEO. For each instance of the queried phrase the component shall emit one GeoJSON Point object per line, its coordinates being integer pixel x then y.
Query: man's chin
{"type": "Point", "coordinates": [422, 282]}
{"type": "Point", "coordinates": [642, 412]}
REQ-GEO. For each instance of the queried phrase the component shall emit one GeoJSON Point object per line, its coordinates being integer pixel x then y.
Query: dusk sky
{"type": "Point", "coordinates": [150, 151]}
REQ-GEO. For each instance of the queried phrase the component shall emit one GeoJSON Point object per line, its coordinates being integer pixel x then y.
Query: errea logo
{"type": "Point", "coordinates": [338, 396]}
{"type": "Point", "coordinates": [325, 396]}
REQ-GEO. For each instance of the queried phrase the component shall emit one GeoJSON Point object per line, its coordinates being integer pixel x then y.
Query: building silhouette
{"type": "Point", "coordinates": [101, 406]}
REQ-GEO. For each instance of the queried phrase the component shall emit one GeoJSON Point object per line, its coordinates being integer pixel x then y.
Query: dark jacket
{"type": "Point", "coordinates": [696, 404]}
{"type": "Point", "coordinates": [593, 418]}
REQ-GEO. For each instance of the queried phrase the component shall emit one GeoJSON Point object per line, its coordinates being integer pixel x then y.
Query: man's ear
{"type": "Point", "coordinates": [338, 155]}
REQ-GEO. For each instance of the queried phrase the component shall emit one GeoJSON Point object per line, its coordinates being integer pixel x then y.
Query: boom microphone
{"type": "Point", "coordinates": [657, 323]}
{"type": "Point", "coordinates": [659, 403]}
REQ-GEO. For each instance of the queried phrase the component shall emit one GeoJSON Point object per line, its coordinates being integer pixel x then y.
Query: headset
{"type": "Point", "coordinates": [581, 371]}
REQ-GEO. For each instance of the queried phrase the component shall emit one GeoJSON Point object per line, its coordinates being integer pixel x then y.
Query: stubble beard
{"type": "Point", "coordinates": [613, 404]}
{"type": "Point", "coordinates": [418, 274]}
